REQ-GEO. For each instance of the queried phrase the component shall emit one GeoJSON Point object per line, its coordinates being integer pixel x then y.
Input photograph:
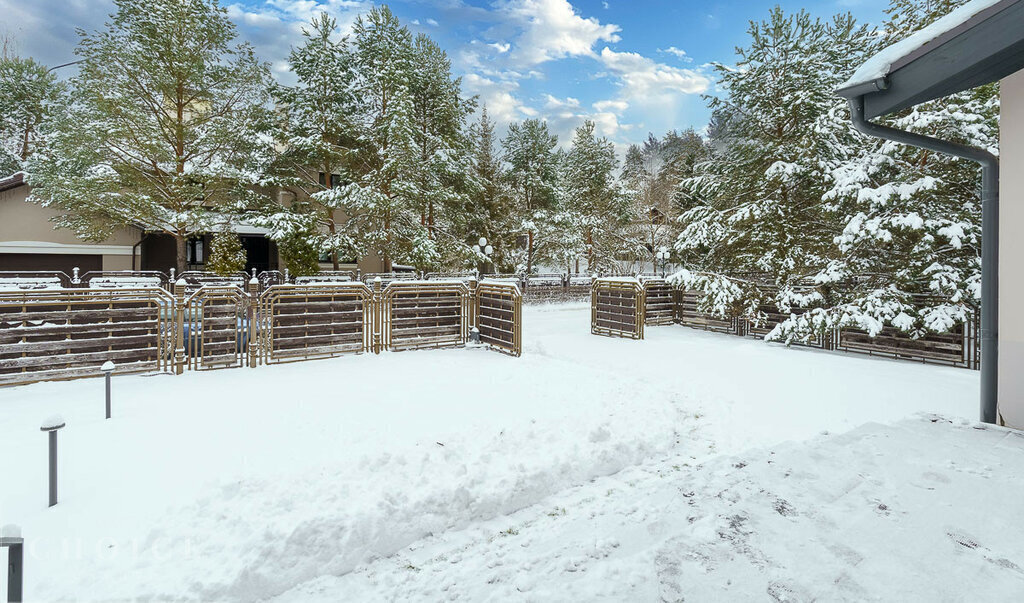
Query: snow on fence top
{"type": "Point", "coordinates": [124, 282]}
{"type": "Point", "coordinates": [881, 64]}
{"type": "Point", "coordinates": [26, 283]}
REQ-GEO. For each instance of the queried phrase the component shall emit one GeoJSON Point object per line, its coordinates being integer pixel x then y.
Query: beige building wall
{"type": "Point", "coordinates": [1011, 251]}
{"type": "Point", "coordinates": [25, 228]}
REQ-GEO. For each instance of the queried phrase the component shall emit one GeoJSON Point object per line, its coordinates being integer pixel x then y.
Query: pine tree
{"type": "Point", "coordinates": [164, 127]}
{"type": "Point", "coordinates": [529, 149]}
{"type": "Point", "coordinates": [385, 217]}
{"type": "Point", "coordinates": [226, 254]}
{"type": "Point", "coordinates": [318, 140]}
{"type": "Point", "coordinates": [30, 96]}
{"type": "Point", "coordinates": [592, 196]}
{"type": "Point", "coordinates": [489, 211]}
{"type": "Point", "coordinates": [910, 247]}
{"type": "Point", "coordinates": [299, 253]}
{"type": "Point", "coordinates": [442, 160]}
{"type": "Point", "coordinates": [758, 209]}
{"type": "Point", "coordinates": [651, 175]}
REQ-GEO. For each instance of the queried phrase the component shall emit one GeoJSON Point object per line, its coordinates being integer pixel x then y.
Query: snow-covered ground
{"type": "Point", "coordinates": [687, 465]}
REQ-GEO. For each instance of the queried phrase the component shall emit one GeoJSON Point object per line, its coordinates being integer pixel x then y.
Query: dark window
{"type": "Point", "coordinates": [195, 252]}
{"type": "Point", "coordinates": [335, 180]}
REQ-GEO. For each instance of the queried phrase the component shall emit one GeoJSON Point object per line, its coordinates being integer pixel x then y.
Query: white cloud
{"type": "Point", "coordinates": [611, 106]}
{"type": "Point", "coordinates": [551, 29]}
{"type": "Point", "coordinates": [677, 52]}
{"type": "Point", "coordinates": [432, 22]}
{"type": "Point", "coordinates": [644, 80]}
{"type": "Point", "coordinates": [502, 105]}
{"type": "Point", "coordinates": [501, 47]}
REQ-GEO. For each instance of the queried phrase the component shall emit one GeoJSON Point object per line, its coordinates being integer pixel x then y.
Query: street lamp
{"type": "Point", "coordinates": [483, 248]}
{"type": "Point", "coordinates": [663, 255]}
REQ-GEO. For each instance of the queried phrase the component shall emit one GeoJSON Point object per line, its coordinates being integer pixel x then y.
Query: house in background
{"type": "Point", "coordinates": [978, 43]}
{"type": "Point", "coordinates": [28, 240]}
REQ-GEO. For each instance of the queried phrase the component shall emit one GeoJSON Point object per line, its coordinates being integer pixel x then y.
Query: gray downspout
{"type": "Point", "coordinates": [989, 241]}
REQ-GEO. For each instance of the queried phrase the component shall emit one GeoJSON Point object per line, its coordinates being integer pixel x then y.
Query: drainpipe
{"type": "Point", "coordinates": [989, 241]}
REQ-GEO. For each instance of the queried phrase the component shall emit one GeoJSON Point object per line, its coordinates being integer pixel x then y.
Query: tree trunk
{"type": "Point", "coordinates": [334, 252]}
{"type": "Point", "coordinates": [529, 254]}
{"type": "Point", "coordinates": [181, 255]}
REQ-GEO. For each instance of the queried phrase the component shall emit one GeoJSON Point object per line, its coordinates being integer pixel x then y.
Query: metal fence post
{"type": "Point", "coordinates": [179, 326]}
{"type": "Point", "coordinates": [378, 315]}
{"type": "Point", "coordinates": [10, 537]}
{"type": "Point", "coordinates": [253, 315]}
{"type": "Point", "coordinates": [474, 304]}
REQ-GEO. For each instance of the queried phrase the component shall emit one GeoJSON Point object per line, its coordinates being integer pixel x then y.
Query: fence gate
{"type": "Point", "coordinates": [303, 322]}
{"type": "Point", "coordinates": [69, 333]}
{"type": "Point", "coordinates": [617, 308]}
{"type": "Point", "coordinates": [659, 299]}
{"type": "Point", "coordinates": [421, 314]}
{"type": "Point", "coordinates": [499, 308]}
{"type": "Point", "coordinates": [215, 327]}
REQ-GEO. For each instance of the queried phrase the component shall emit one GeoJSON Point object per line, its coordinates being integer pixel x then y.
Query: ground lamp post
{"type": "Point", "coordinates": [662, 255]}
{"type": "Point", "coordinates": [10, 537]}
{"type": "Point", "coordinates": [483, 248]}
{"type": "Point", "coordinates": [108, 368]}
{"type": "Point", "coordinates": [51, 426]}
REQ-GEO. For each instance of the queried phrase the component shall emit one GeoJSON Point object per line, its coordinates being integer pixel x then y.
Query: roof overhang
{"type": "Point", "coordinates": [12, 181]}
{"type": "Point", "coordinates": [985, 48]}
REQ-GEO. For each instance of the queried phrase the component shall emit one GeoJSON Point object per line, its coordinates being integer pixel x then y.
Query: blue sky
{"type": "Point", "coordinates": [631, 66]}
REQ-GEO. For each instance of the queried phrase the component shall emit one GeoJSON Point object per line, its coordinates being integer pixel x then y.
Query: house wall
{"type": "Point", "coordinates": [26, 229]}
{"type": "Point", "coordinates": [1011, 250]}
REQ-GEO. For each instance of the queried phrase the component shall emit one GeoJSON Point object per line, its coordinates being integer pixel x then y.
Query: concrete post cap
{"type": "Point", "coordinates": [52, 424]}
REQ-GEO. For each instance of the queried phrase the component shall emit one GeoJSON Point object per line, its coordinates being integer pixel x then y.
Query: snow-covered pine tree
{"type": "Point", "coordinates": [30, 95]}
{"type": "Point", "coordinates": [164, 127]}
{"type": "Point", "coordinates": [529, 149]}
{"type": "Point", "coordinates": [442, 161]}
{"type": "Point", "coordinates": [758, 210]}
{"type": "Point", "coordinates": [226, 253]}
{"type": "Point", "coordinates": [651, 174]}
{"type": "Point", "coordinates": [489, 211]}
{"type": "Point", "coordinates": [593, 197]}
{"type": "Point", "coordinates": [910, 247]}
{"type": "Point", "coordinates": [319, 142]}
{"type": "Point", "coordinates": [386, 217]}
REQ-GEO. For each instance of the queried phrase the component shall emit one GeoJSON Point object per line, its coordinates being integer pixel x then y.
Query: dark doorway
{"type": "Point", "coordinates": [257, 252]}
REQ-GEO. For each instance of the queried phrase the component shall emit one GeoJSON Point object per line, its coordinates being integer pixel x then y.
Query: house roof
{"type": "Point", "coordinates": [975, 44]}
{"type": "Point", "coordinates": [13, 181]}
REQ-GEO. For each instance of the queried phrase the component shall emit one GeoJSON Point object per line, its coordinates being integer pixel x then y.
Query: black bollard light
{"type": "Point", "coordinates": [108, 368]}
{"type": "Point", "coordinates": [51, 425]}
{"type": "Point", "coordinates": [10, 537]}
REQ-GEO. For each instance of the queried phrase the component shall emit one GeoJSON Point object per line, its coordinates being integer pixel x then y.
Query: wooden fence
{"type": "Point", "coordinates": [303, 322]}
{"type": "Point", "coordinates": [424, 314]}
{"type": "Point", "coordinates": [67, 333]}
{"type": "Point", "coordinates": [499, 308]}
{"type": "Point", "coordinates": [659, 302]}
{"type": "Point", "coordinates": [617, 308]}
{"type": "Point", "coordinates": [959, 347]}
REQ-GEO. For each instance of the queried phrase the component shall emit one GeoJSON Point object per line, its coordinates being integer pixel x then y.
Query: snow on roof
{"type": "Point", "coordinates": [882, 63]}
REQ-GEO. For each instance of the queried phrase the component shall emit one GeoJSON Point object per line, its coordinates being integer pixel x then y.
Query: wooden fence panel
{"type": "Point", "coordinates": [424, 314]}
{"type": "Point", "coordinates": [499, 316]}
{"type": "Point", "coordinates": [687, 314]}
{"type": "Point", "coordinates": [617, 308]}
{"type": "Point", "coordinates": [216, 328]}
{"type": "Point", "coordinates": [305, 322]}
{"type": "Point", "coordinates": [13, 280]}
{"type": "Point", "coordinates": [956, 348]}
{"type": "Point", "coordinates": [386, 278]}
{"type": "Point", "coordinates": [659, 302]}
{"type": "Point", "coordinates": [70, 333]}
{"type": "Point", "coordinates": [124, 279]}
{"type": "Point", "coordinates": [194, 280]}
